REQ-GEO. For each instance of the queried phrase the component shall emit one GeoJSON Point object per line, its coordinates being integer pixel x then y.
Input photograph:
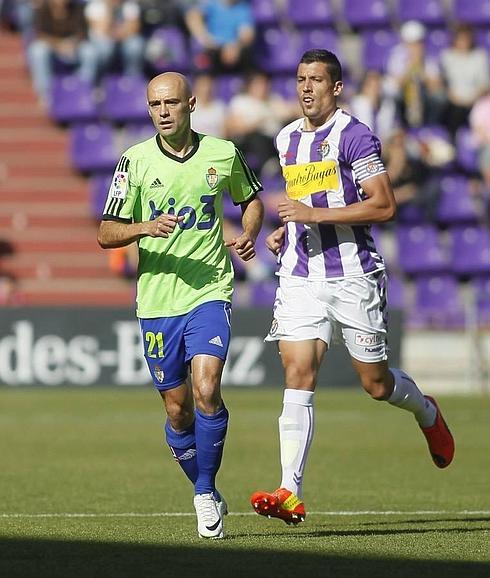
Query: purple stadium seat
{"type": "Point", "coordinates": [238, 266]}
{"type": "Point", "coordinates": [124, 99]}
{"type": "Point", "coordinates": [367, 13]}
{"type": "Point", "coordinates": [470, 250]}
{"type": "Point", "coordinates": [482, 38]}
{"type": "Point", "coordinates": [265, 12]}
{"type": "Point", "coordinates": [396, 292]}
{"type": "Point", "coordinates": [93, 148]}
{"type": "Point", "coordinates": [376, 45]}
{"type": "Point", "coordinates": [436, 41]}
{"type": "Point", "coordinates": [427, 132]}
{"type": "Point", "coordinates": [99, 187]}
{"type": "Point", "coordinates": [466, 150]}
{"type": "Point", "coordinates": [476, 12]}
{"type": "Point", "coordinates": [265, 263]}
{"type": "Point", "coordinates": [420, 250]}
{"type": "Point", "coordinates": [230, 210]}
{"type": "Point", "coordinates": [456, 205]}
{"type": "Point", "coordinates": [137, 132]}
{"type": "Point", "coordinates": [263, 293]}
{"type": "Point", "coordinates": [72, 100]}
{"type": "Point", "coordinates": [315, 13]}
{"type": "Point", "coordinates": [279, 50]}
{"type": "Point", "coordinates": [228, 85]}
{"type": "Point", "coordinates": [273, 188]}
{"type": "Point", "coordinates": [167, 49]}
{"type": "Point", "coordinates": [429, 12]}
{"type": "Point", "coordinates": [410, 212]}
{"type": "Point", "coordinates": [285, 86]}
{"type": "Point", "coordinates": [321, 38]}
{"type": "Point", "coordinates": [481, 291]}
{"type": "Point", "coordinates": [437, 304]}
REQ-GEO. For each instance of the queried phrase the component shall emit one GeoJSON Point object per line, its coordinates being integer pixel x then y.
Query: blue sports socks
{"type": "Point", "coordinates": [199, 448]}
{"type": "Point", "coordinates": [210, 440]}
{"type": "Point", "coordinates": [183, 447]}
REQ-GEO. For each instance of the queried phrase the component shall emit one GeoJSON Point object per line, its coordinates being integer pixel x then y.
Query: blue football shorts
{"type": "Point", "coordinates": [170, 343]}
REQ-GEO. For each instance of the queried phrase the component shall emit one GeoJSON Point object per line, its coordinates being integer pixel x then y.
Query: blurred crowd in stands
{"type": "Point", "coordinates": [416, 71]}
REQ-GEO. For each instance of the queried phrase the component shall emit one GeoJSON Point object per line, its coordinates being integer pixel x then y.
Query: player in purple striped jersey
{"type": "Point", "coordinates": [332, 279]}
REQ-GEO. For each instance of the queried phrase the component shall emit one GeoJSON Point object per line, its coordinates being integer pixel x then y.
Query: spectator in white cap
{"type": "Point", "coordinates": [413, 78]}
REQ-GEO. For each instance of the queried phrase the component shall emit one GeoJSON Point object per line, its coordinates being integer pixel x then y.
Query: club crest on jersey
{"type": "Point", "coordinates": [158, 371]}
{"type": "Point", "coordinates": [119, 186]}
{"type": "Point", "coordinates": [324, 148]}
{"type": "Point", "coordinates": [212, 177]}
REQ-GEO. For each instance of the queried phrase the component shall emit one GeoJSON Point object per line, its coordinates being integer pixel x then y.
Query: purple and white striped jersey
{"type": "Point", "coordinates": [326, 168]}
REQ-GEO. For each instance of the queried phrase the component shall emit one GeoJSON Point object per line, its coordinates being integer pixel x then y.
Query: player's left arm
{"type": "Point", "coordinates": [379, 206]}
{"type": "Point", "coordinates": [252, 217]}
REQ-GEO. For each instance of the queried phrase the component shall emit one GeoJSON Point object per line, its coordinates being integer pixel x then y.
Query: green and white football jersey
{"type": "Point", "coordinates": [192, 266]}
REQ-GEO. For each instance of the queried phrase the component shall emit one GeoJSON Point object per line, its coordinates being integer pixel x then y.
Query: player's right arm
{"type": "Point", "coordinates": [113, 234]}
{"type": "Point", "coordinates": [117, 228]}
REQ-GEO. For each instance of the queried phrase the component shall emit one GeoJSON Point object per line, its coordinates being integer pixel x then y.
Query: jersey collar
{"type": "Point", "coordinates": [329, 122]}
{"type": "Point", "coordinates": [191, 153]}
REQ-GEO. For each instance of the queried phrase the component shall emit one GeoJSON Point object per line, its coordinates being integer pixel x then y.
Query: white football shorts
{"type": "Point", "coordinates": [351, 309]}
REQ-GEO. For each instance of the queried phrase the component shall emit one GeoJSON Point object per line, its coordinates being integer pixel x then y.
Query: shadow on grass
{"type": "Point", "coordinates": [28, 558]}
{"type": "Point", "coordinates": [432, 520]}
{"type": "Point", "coordinates": [363, 533]}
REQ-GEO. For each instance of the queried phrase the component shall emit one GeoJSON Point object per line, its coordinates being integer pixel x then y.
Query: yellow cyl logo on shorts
{"type": "Point", "coordinates": [304, 180]}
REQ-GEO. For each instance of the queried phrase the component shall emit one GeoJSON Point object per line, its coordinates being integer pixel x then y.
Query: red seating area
{"type": "Point", "coordinates": [45, 211]}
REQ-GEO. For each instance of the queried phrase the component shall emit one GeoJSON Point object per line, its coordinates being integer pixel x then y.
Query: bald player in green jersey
{"type": "Point", "coordinates": [167, 196]}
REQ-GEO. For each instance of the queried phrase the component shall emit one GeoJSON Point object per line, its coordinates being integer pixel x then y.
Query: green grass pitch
{"type": "Point", "coordinates": [88, 489]}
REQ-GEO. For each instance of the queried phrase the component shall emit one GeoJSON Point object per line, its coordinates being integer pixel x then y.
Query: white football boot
{"type": "Point", "coordinates": [209, 516]}
{"type": "Point", "coordinates": [221, 504]}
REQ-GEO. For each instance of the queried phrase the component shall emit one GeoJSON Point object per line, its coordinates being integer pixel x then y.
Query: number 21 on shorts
{"type": "Point", "coordinates": [154, 344]}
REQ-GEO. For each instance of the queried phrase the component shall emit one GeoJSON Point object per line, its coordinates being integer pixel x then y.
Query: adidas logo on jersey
{"type": "Point", "coordinates": [216, 341]}
{"type": "Point", "coordinates": [157, 183]}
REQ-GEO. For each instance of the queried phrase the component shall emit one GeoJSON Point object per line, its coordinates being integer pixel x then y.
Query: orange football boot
{"type": "Point", "coordinates": [439, 439]}
{"type": "Point", "coordinates": [281, 504]}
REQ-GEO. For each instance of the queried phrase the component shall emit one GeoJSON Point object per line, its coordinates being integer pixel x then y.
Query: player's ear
{"type": "Point", "coordinates": [337, 89]}
{"type": "Point", "coordinates": [192, 103]}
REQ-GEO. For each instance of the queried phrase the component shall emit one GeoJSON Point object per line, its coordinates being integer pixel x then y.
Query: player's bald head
{"type": "Point", "coordinates": [170, 104]}
{"type": "Point", "coordinates": [170, 82]}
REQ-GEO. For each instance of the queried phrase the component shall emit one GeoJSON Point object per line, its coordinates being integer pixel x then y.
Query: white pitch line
{"type": "Point", "coordinates": [185, 514]}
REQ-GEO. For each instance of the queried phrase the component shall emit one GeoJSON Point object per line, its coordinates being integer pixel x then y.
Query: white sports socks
{"type": "Point", "coordinates": [408, 396]}
{"type": "Point", "coordinates": [296, 425]}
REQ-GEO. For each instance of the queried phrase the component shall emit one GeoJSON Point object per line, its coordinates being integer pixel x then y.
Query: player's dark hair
{"type": "Point", "coordinates": [328, 58]}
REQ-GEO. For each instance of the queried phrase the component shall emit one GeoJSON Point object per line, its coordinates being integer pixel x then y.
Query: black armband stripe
{"type": "Point", "coordinates": [112, 206]}
{"type": "Point", "coordinates": [122, 165]}
{"type": "Point", "coordinates": [106, 217]}
{"type": "Point", "coordinates": [118, 208]}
